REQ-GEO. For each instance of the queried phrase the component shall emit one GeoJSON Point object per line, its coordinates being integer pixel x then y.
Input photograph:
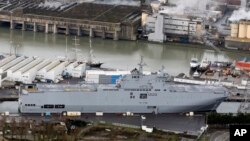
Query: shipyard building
{"type": "Point", "coordinates": [162, 27]}
{"type": "Point", "coordinates": [240, 28]}
{"type": "Point", "coordinates": [240, 36]}
{"type": "Point", "coordinates": [82, 19]}
{"type": "Point", "coordinates": [177, 22]}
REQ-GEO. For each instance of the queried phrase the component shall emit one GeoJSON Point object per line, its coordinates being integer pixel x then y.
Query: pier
{"type": "Point", "coordinates": [81, 19]}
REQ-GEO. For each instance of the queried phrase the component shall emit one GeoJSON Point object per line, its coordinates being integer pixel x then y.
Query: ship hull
{"type": "Point", "coordinates": [237, 44]}
{"type": "Point", "coordinates": [113, 102]}
{"type": "Point", "coordinates": [243, 65]}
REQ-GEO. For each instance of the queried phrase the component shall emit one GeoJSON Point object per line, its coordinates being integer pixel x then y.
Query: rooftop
{"type": "Point", "coordinates": [88, 11]}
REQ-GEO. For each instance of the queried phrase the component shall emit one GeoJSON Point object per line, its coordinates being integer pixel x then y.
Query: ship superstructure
{"type": "Point", "coordinates": [136, 93]}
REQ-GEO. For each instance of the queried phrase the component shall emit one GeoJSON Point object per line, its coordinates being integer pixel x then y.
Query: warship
{"type": "Point", "coordinates": [134, 93]}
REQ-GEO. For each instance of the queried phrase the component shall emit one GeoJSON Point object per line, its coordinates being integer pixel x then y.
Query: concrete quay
{"type": "Point", "coordinates": [93, 20]}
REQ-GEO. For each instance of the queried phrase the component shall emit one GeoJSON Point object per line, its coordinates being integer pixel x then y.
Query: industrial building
{"type": "Point", "coordinates": [75, 69]}
{"type": "Point", "coordinates": [163, 27]}
{"type": "Point", "coordinates": [42, 73]}
{"type": "Point", "coordinates": [90, 19]}
{"type": "Point", "coordinates": [28, 69]}
{"type": "Point", "coordinates": [18, 66]}
{"type": "Point", "coordinates": [7, 60]}
{"type": "Point", "coordinates": [240, 36]}
{"type": "Point", "coordinates": [29, 76]}
{"type": "Point", "coordinates": [181, 23]}
{"type": "Point", "coordinates": [107, 77]}
{"type": "Point", "coordinates": [7, 66]}
{"type": "Point", "coordinates": [55, 73]}
{"type": "Point", "coordinates": [18, 75]}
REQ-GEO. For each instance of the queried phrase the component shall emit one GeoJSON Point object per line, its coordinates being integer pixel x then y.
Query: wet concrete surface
{"type": "Point", "coordinates": [168, 122]}
{"type": "Point", "coordinates": [219, 136]}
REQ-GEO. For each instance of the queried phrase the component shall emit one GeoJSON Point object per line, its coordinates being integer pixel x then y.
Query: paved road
{"type": "Point", "coordinates": [220, 136]}
{"type": "Point", "coordinates": [171, 122]}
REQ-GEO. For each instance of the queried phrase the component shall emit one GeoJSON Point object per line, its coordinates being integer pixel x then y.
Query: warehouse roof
{"type": "Point", "coordinates": [89, 11]}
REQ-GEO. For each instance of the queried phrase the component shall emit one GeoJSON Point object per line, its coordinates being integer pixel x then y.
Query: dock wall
{"type": "Point", "coordinates": [67, 26]}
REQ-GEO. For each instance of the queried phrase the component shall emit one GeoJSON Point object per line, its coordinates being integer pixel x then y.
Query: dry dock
{"type": "Point", "coordinates": [94, 20]}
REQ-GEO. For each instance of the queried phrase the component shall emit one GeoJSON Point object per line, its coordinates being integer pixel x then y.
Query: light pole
{"type": "Point", "coordinates": [142, 119]}
{"type": "Point", "coordinates": [11, 20]}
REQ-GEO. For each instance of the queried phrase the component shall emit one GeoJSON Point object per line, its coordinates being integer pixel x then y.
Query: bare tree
{"type": "Point", "coordinates": [13, 128]}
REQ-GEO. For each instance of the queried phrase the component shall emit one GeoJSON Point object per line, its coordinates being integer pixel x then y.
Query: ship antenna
{"type": "Point", "coordinates": [163, 68]}
{"type": "Point", "coordinates": [66, 49]}
{"type": "Point", "coordinates": [76, 49]}
{"type": "Point", "coordinates": [90, 59]}
{"type": "Point", "coordinates": [141, 65]}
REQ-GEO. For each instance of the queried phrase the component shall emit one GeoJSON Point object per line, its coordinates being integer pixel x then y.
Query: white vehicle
{"type": "Point", "coordinates": [194, 63]}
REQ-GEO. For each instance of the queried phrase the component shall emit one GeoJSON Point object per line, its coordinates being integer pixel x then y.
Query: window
{"type": "Point", "coordinates": [48, 106]}
{"type": "Point", "coordinates": [172, 90]}
{"type": "Point", "coordinates": [60, 106]}
{"type": "Point", "coordinates": [151, 107]}
{"type": "Point", "coordinates": [143, 96]}
{"type": "Point", "coordinates": [29, 105]}
{"type": "Point", "coordinates": [135, 76]}
{"type": "Point", "coordinates": [157, 90]}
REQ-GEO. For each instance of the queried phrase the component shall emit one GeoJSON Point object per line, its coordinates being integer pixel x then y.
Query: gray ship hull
{"type": "Point", "coordinates": [119, 102]}
{"type": "Point", "coordinates": [135, 93]}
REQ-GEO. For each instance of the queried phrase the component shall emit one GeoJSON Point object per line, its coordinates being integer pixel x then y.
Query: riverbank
{"type": "Point", "coordinates": [200, 46]}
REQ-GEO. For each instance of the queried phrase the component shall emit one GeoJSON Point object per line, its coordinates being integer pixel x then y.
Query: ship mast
{"type": "Point", "coordinates": [141, 65]}
{"type": "Point", "coordinates": [90, 59]}
{"type": "Point", "coordinates": [76, 49]}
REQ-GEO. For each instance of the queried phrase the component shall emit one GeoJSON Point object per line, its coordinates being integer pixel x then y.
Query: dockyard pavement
{"type": "Point", "coordinates": [2, 139]}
